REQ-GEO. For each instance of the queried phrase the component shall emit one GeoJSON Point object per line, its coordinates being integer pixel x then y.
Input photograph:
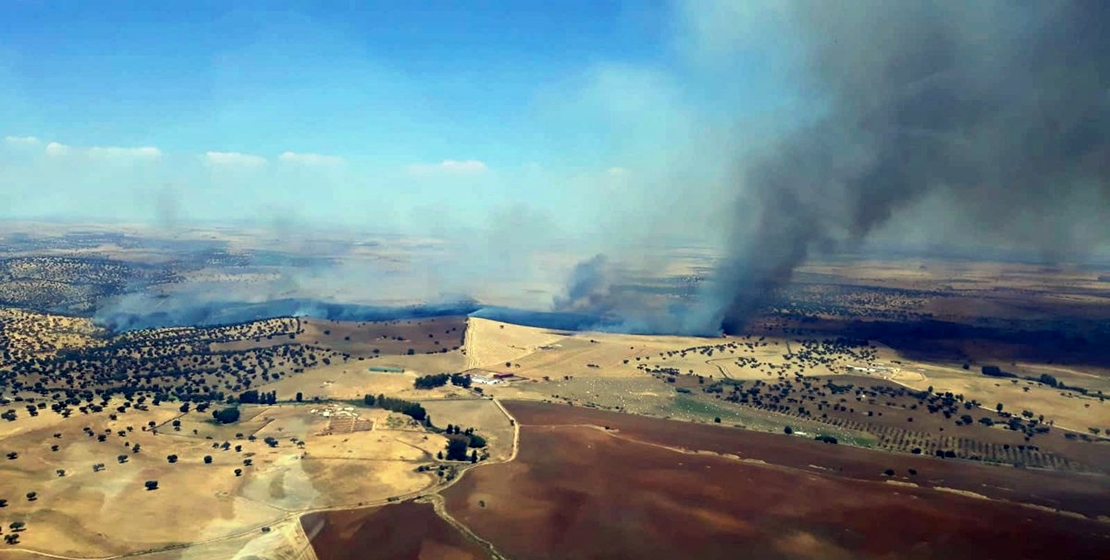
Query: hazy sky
{"type": "Point", "coordinates": [376, 113]}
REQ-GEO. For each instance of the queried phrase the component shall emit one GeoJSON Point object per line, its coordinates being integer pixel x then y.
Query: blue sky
{"type": "Point", "coordinates": [330, 111]}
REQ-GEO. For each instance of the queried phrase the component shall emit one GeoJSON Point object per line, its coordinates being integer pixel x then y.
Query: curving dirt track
{"type": "Point", "coordinates": [580, 491]}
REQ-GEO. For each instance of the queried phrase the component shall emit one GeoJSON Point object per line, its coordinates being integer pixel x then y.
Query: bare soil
{"type": "Point", "coordinates": [1088, 494]}
{"type": "Point", "coordinates": [395, 532]}
{"type": "Point", "coordinates": [579, 491]}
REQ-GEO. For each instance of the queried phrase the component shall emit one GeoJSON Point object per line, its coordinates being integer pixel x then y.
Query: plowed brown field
{"type": "Point", "coordinates": [579, 491]}
{"type": "Point", "coordinates": [395, 532]}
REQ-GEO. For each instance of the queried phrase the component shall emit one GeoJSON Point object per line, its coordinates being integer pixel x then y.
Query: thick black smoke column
{"type": "Point", "coordinates": [999, 109]}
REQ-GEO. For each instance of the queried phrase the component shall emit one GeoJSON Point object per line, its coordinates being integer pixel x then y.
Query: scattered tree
{"type": "Point", "coordinates": [226, 415]}
{"type": "Point", "coordinates": [456, 449]}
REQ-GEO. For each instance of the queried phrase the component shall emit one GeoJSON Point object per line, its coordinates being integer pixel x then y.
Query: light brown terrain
{"type": "Point", "coordinates": [211, 501]}
{"type": "Point", "coordinates": [276, 462]}
{"type": "Point", "coordinates": [667, 451]}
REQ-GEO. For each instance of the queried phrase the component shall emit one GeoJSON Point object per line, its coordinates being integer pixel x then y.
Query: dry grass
{"type": "Point", "coordinates": [482, 415]}
{"type": "Point", "coordinates": [1065, 408]}
{"type": "Point", "coordinates": [492, 343]}
{"type": "Point", "coordinates": [110, 512]}
{"type": "Point", "coordinates": [353, 380]}
{"type": "Point", "coordinates": [538, 353]}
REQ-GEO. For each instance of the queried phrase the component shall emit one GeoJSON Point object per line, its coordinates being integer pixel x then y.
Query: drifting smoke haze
{"type": "Point", "coordinates": [774, 133]}
{"type": "Point", "coordinates": [143, 312]}
{"type": "Point", "coordinates": [589, 288]}
{"type": "Point", "coordinates": [977, 125]}
{"type": "Point", "coordinates": [998, 113]}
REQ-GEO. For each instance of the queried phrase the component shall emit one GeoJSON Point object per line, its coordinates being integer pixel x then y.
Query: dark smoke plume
{"type": "Point", "coordinates": [589, 289]}
{"type": "Point", "coordinates": [600, 296]}
{"type": "Point", "coordinates": [999, 109]}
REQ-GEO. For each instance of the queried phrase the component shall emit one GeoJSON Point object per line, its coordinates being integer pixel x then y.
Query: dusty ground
{"type": "Point", "coordinates": [284, 541]}
{"type": "Point", "coordinates": [209, 500]}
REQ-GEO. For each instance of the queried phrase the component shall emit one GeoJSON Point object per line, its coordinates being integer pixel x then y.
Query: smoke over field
{"type": "Point", "coordinates": [981, 125]}
{"type": "Point", "coordinates": [147, 315]}
{"type": "Point", "coordinates": [992, 117]}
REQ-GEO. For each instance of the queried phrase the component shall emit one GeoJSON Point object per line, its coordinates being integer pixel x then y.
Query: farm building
{"type": "Point", "coordinates": [386, 369]}
{"type": "Point", "coordinates": [502, 375]}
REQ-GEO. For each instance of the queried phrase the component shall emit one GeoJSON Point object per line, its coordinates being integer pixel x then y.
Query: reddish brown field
{"type": "Point", "coordinates": [576, 491]}
{"type": "Point", "coordinates": [1088, 494]}
{"type": "Point", "coordinates": [395, 532]}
